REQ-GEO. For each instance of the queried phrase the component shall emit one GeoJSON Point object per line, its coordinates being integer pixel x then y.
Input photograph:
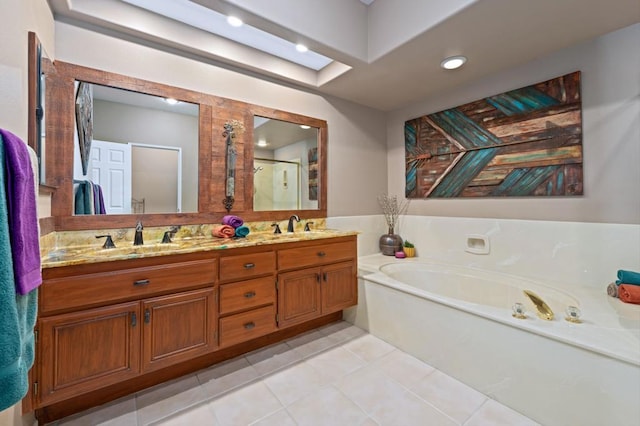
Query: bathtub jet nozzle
{"type": "Point", "coordinates": [543, 310]}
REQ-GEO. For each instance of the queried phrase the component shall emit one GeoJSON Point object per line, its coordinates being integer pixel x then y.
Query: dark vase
{"type": "Point", "coordinates": [390, 243]}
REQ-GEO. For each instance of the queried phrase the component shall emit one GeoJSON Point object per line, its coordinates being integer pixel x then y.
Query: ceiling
{"type": "Point", "coordinates": [387, 52]}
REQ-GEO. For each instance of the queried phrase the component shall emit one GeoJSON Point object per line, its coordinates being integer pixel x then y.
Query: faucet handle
{"type": "Point", "coordinates": [306, 226]}
{"type": "Point", "coordinates": [166, 238]}
{"type": "Point", "coordinates": [108, 243]}
{"type": "Point", "coordinates": [277, 228]}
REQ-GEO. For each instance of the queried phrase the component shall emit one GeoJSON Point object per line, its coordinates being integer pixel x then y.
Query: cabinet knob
{"type": "Point", "coordinates": [140, 283]}
{"type": "Point", "coordinates": [321, 254]}
{"type": "Point", "coordinates": [250, 294]}
{"type": "Point", "coordinates": [249, 265]}
{"type": "Point", "coordinates": [249, 325]}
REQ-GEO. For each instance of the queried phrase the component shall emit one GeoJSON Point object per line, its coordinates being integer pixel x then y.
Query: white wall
{"type": "Point", "coordinates": [356, 142]}
{"type": "Point", "coordinates": [611, 135]}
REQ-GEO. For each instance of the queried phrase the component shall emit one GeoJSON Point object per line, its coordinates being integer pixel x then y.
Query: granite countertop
{"type": "Point", "coordinates": [84, 254]}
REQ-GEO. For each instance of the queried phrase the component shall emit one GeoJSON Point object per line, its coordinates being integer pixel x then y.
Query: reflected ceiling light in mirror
{"type": "Point", "coordinates": [304, 126]}
{"type": "Point", "coordinates": [234, 21]}
{"type": "Point", "coordinates": [453, 62]}
{"type": "Point", "coordinates": [262, 143]}
{"type": "Point", "coordinates": [171, 101]}
{"type": "Point", "coordinates": [201, 17]}
{"type": "Point", "coordinates": [301, 48]}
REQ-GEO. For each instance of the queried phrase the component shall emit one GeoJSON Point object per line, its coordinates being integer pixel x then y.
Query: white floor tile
{"type": "Point", "coordinates": [227, 376]}
{"type": "Point", "coordinates": [403, 368]}
{"type": "Point", "coordinates": [336, 363]}
{"type": "Point", "coordinates": [198, 415]}
{"type": "Point", "coordinates": [295, 382]}
{"type": "Point", "coordinates": [245, 405]}
{"type": "Point", "coordinates": [272, 358]}
{"type": "Point", "coordinates": [450, 396]}
{"type": "Point", "coordinates": [162, 401]}
{"type": "Point", "coordinates": [495, 414]}
{"type": "Point", "coordinates": [326, 407]}
{"type": "Point", "coordinates": [279, 418]}
{"type": "Point", "coordinates": [369, 388]}
{"type": "Point", "coordinates": [312, 343]}
{"type": "Point", "coordinates": [368, 347]}
{"type": "Point", "coordinates": [409, 410]}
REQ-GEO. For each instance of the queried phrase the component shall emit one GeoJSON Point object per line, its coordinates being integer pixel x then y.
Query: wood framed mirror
{"type": "Point", "coordinates": [213, 113]}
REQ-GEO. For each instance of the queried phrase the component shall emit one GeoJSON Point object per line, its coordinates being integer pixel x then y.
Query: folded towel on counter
{"type": "Point", "coordinates": [223, 231]}
{"type": "Point", "coordinates": [628, 277]}
{"type": "Point", "coordinates": [612, 290]}
{"type": "Point", "coordinates": [232, 220]}
{"type": "Point", "coordinates": [629, 293]}
{"type": "Point", "coordinates": [242, 231]}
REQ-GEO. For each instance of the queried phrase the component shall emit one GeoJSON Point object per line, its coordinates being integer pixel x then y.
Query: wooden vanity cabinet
{"type": "Point", "coordinates": [316, 279]}
{"type": "Point", "coordinates": [166, 313]}
{"type": "Point", "coordinates": [108, 329]}
{"type": "Point", "coordinates": [247, 295]}
{"type": "Point", "coordinates": [85, 350]}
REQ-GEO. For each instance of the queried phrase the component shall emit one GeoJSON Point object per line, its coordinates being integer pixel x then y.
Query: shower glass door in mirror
{"type": "Point", "coordinates": [285, 165]}
{"type": "Point", "coordinates": [142, 156]}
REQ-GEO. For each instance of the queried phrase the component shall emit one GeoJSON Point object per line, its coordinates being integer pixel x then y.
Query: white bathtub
{"type": "Point", "coordinates": [459, 320]}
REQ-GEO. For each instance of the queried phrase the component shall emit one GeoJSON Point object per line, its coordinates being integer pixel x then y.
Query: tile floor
{"type": "Point", "coordinates": [336, 375]}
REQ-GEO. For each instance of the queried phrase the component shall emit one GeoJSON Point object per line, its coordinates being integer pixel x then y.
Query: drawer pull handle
{"type": "Point", "coordinates": [250, 294]}
{"type": "Point", "coordinates": [249, 325]}
{"type": "Point", "coordinates": [141, 283]}
{"type": "Point", "coordinates": [321, 254]}
{"type": "Point", "coordinates": [249, 265]}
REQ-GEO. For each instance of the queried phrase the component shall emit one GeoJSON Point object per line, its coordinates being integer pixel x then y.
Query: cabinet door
{"type": "Point", "coordinates": [339, 287]}
{"type": "Point", "coordinates": [87, 350]}
{"type": "Point", "coordinates": [177, 328]}
{"type": "Point", "coordinates": [299, 296]}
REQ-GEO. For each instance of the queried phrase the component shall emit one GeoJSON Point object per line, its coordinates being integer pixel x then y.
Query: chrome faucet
{"type": "Point", "coordinates": [137, 239]}
{"type": "Point", "coordinates": [291, 219]}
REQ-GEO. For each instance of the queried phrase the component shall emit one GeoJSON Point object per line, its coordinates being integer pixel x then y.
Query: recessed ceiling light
{"type": "Point", "coordinates": [234, 21]}
{"type": "Point", "coordinates": [198, 16]}
{"type": "Point", "coordinates": [262, 142]}
{"type": "Point", "coordinates": [171, 101]}
{"type": "Point", "coordinates": [301, 48]}
{"type": "Point", "coordinates": [453, 62]}
{"type": "Point", "coordinates": [304, 126]}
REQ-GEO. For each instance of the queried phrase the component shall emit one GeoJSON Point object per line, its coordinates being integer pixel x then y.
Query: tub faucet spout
{"type": "Point", "coordinates": [544, 311]}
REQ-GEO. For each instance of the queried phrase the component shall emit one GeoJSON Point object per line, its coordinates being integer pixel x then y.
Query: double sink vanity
{"type": "Point", "coordinates": [113, 321]}
{"type": "Point", "coordinates": [116, 320]}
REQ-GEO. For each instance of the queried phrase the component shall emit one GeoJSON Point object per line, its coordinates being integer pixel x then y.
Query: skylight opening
{"type": "Point", "coordinates": [213, 22]}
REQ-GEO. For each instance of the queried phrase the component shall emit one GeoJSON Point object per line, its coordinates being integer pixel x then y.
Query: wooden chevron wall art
{"type": "Point", "coordinates": [526, 142]}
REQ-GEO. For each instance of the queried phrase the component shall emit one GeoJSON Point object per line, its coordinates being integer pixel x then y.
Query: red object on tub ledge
{"type": "Point", "coordinates": [629, 293]}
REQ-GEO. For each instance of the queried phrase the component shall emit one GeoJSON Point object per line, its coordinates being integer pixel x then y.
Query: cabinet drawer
{"type": "Point", "coordinates": [247, 325]}
{"type": "Point", "coordinates": [247, 265]}
{"type": "Point", "coordinates": [315, 255]}
{"type": "Point", "coordinates": [248, 294]}
{"type": "Point", "coordinates": [106, 287]}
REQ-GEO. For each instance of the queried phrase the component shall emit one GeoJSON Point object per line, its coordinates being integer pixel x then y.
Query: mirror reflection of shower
{"type": "Point", "coordinates": [276, 184]}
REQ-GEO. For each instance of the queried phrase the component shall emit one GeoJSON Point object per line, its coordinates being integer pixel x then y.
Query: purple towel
{"type": "Point", "coordinates": [233, 221]}
{"type": "Point", "coordinates": [98, 199]}
{"type": "Point", "coordinates": [23, 217]}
